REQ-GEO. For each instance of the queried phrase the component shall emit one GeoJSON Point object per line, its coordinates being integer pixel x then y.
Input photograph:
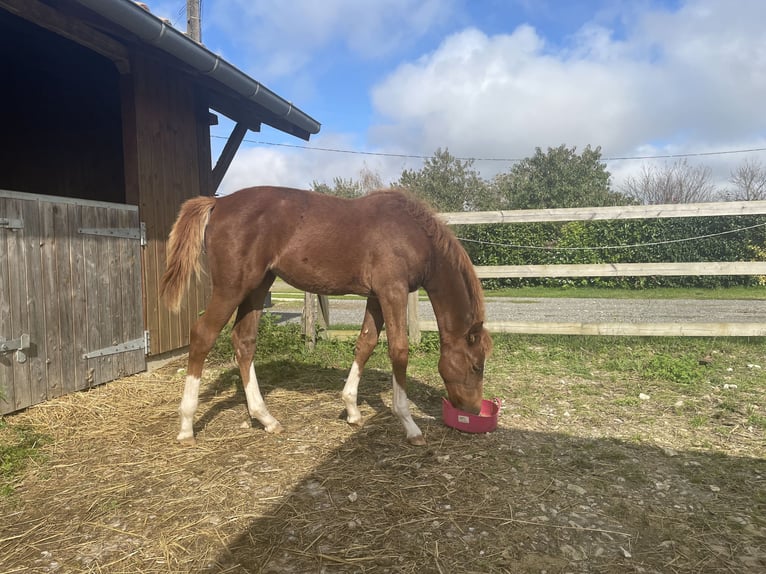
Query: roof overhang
{"type": "Point", "coordinates": [233, 93]}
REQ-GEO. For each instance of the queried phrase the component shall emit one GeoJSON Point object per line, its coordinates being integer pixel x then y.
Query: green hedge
{"type": "Point", "coordinates": [741, 238]}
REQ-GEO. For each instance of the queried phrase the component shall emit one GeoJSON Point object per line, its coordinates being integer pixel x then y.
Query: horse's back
{"type": "Point", "coordinates": [323, 243]}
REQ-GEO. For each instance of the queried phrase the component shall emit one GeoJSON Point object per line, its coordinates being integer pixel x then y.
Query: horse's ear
{"type": "Point", "coordinates": [474, 333]}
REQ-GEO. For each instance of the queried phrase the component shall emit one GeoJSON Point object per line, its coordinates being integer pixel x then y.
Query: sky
{"type": "Point", "coordinates": [493, 80]}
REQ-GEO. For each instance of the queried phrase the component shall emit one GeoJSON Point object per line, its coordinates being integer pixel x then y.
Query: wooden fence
{"type": "Point", "coordinates": [583, 327]}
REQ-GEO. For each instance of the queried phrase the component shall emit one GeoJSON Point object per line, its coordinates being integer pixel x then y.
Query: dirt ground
{"type": "Point", "coordinates": [544, 494]}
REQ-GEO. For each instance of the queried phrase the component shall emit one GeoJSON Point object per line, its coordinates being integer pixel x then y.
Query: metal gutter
{"type": "Point", "coordinates": [152, 30]}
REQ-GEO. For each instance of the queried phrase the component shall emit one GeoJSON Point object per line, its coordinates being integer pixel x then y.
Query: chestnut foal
{"type": "Point", "coordinates": [383, 246]}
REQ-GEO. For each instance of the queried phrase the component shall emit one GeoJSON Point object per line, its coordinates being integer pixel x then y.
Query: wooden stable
{"type": "Point", "coordinates": [106, 129]}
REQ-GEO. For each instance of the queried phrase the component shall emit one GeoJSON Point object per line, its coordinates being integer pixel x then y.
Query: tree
{"type": "Point", "coordinates": [350, 188]}
{"type": "Point", "coordinates": [447, 183]}
{"type": "Point", "coordinates": [678, 182]}
{"type": "Point", "coordinates": [749, 180]}
{"type": "Point", "coordinates": [557, 178]}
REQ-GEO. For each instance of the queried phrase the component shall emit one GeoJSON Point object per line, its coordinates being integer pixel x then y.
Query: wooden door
{"type": "Point", "coordinates": [70, 296]}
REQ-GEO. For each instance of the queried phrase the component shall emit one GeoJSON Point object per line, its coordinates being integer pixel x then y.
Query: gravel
{"type": "Point", "coordinates": [350, 312]}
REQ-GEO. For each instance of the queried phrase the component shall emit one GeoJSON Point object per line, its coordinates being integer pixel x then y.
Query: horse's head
{"type": "Point", "coordinates": [462, 367]}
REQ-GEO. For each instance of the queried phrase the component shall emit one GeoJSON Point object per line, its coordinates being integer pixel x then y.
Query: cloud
{"type": "Point", "coordinates": [680, 80]}
{"type": "Point", "coordinates": [265, 165]}
{"type": "Point", "coordinates": [286, 38]}
{"type": "Point", "coordinates": [633, 80]}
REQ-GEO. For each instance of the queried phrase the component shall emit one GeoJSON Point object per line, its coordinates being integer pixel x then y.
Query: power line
{"type": "Point", "coordinates": [497, 159]}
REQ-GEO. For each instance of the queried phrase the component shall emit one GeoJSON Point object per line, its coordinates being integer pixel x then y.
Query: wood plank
{"type": "Point", "coordinates": [9, 270]}
{"type": "Point", "coordinates": [622, 329]}
{"type": "Point", "coordinates": [64, 233]}
{"type": "Point", "coordinates": [51, 297]}
{"type": "Point", "coordinates": [79, 336]}
{"type": "Point", "coordinates": [116, 283]}
{"type": "Point", "coordinates": [34, 296]}
{"type": "Point", "coordinates": [413, 324]}
{"type": "Point", "coordinates": [623, 269]}
{"type": "Point", "coordinates": [130, 264]}
{"type": "Point", "coordinates": [227, 155]}
{"type": "Point", "coordinates": [92, 266]}
{"type": "Point", "coordinates": [597, 213]}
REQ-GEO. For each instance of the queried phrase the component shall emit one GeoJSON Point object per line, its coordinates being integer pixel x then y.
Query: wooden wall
{"type": "Point", "coordinates": [167, 160]}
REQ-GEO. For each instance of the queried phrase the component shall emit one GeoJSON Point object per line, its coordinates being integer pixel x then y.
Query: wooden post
{"type": "Point", "coordinates": [193, 20]}
{"type": "Point", "coordinates": [309, 320]}
{"type": "Point", "coordinates": [413, 321]}
{"type": "Point", "coordinates": [227, 155]}
{"type": "Point", "coordinates": [324, 315]}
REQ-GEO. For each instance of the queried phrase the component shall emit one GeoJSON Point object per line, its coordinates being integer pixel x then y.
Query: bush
{"type": "Point", "coordinates": [694, 239]}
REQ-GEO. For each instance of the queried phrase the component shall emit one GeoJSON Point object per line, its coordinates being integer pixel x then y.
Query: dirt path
{"type": "Point", "coordinates": [350, 312]}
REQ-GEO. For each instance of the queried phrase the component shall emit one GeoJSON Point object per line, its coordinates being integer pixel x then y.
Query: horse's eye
{"type": "Point", "coordinates": [477, 368]}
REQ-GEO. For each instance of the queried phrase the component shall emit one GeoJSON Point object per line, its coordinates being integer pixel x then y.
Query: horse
{"type": "Point", "coordinates": [383, 246]}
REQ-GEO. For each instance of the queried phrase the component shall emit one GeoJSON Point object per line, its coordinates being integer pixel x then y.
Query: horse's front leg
{"type": "Point", "coordinates": [244, 337]}
{"type": "Point", "coordinates": [201, 340]}
{"type": "Point", "coordinates": [365, 344]}
{"type": "Point", "coordinates": [396, 332]}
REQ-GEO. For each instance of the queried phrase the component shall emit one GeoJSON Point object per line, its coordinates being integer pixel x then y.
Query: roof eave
{"type": "Point", "coordinates": [280, 113]}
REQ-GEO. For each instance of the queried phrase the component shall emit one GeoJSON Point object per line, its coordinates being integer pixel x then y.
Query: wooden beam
{"type": "Point", "coordinates": [596, 213]}
{"type": "Point", "coordinates": [623, 269]}
{"type": "Point", "coordinates": [70, 28]}
{"type": "Point", "coordinates": [622, 329]}
{"type": "Point", "coordinates": [227, 155]}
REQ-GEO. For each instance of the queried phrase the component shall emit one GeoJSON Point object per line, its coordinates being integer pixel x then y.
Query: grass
{"type": "Point", "coordinates": [19, 445]}
{"type": "Point", "coordinates": [592, 371]}
{"type": "Point", "coordinates": [606, 446]}
{"type": "Point", "coordinates": [702, 381]}
{"type": "Point", "coordinates": [727, 293]}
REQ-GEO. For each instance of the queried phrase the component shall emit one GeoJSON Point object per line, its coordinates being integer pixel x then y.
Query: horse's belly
{"type": "Point", "coordinates": [317, 280]}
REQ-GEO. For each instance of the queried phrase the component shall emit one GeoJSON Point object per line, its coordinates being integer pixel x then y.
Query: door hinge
{"type": "Point", "coordinates": [134, 345]}
{"type": "Point", "coordinates": [121, 233]}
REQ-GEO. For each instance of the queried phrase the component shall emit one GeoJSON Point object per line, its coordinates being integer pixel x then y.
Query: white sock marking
{"type": "Point", "coordinates": [401, 409]}
{"type": "Point", "coordinates": [188, 407]}
{"type": "Point", "coordinates": [349, 394]}
{"type": "Point", "coordinates": [255, 403]}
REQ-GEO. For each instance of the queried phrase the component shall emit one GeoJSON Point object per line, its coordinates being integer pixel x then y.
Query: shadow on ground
{"type": "Point", "coordinates": [512, 501]}
{"type": "Point", "coordinates": [114, 493]}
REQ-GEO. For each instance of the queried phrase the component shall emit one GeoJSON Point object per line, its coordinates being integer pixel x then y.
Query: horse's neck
{"type": "Point", "coordinates": [450, 299]}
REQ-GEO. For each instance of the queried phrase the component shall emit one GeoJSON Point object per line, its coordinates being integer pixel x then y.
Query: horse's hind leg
{"type": "Point", "coordinates": [244, 337]}
{"type": "Point", "coordinates": [202, 337]}
{"type": "Point", "coordinates": [365, 344]}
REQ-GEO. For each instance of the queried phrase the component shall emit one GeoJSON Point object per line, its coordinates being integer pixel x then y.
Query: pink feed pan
{"type": "Point", "coordinates": [485, 421]}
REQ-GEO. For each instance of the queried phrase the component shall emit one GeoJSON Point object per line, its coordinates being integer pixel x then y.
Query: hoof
{"type": "Point", "coordinates": [246, 425]}
{"type": "Point", "coordinates": [188, 441]}
{"type": "Point", "coordinates": [417, 440]}
{"type": "Point", "coordinates": [274, 428]}
{"type": "Point", "coordinates": [357, 422]}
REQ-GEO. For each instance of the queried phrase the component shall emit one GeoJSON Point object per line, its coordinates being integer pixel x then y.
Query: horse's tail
{"type": "Point", "coordinates": [183, 249]}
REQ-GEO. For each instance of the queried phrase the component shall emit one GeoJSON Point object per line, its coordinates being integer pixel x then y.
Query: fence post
{"type": "Point", "coordinates": [413, 321]}
{"type": "Point", "coordinates": [324, 315]}
{"type": "Point", "coordinates": [308, 327]}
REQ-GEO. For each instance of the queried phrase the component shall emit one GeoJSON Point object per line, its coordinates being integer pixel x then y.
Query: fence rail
{"type": "Point", "coordinates": [718, 209]}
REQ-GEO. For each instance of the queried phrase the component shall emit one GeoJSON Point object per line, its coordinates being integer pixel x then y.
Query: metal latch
{"type": "Point", "coordinates": [19, 345]}
{"type": "Point", "coordinates": [11, 223]}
